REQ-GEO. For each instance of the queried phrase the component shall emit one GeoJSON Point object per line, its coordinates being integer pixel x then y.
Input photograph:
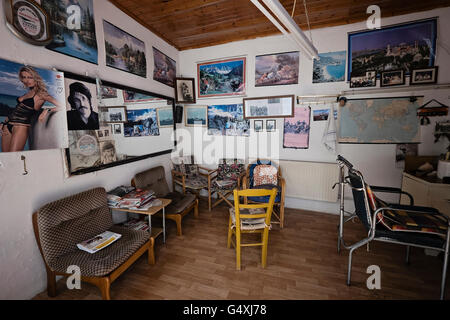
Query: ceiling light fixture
{"type": "Point", "coordinates": [287, 24]}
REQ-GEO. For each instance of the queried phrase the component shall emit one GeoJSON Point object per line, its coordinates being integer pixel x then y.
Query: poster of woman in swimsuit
{"type": "Point", "coordinates": [32, 104]}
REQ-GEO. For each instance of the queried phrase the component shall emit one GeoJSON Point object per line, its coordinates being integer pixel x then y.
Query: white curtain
{"type": "Point", "coordinates": [329, 137]}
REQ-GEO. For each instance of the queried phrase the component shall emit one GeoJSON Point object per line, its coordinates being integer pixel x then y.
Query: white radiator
{"type": "Point", "coordinates": [310, 180]}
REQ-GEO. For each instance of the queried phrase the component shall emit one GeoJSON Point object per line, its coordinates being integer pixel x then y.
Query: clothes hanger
{"type": "Point", "coordinates": [441, 104]}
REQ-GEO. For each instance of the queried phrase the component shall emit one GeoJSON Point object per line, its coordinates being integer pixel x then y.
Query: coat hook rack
{"type": "Point", "coordinates": [24, 165]}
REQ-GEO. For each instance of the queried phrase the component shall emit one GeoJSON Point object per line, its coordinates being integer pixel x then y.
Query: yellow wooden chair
{"type": "Point", "coordinates": [250, 218]}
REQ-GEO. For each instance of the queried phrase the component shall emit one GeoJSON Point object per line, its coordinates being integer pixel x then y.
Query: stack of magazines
{"type": "Point", "coordinates": [136, 224]}
{"type": "Point", "coordinates": [99, 242]}
{"type": "Point", "coordinates": [114, 196]}
{"type": "Point", "coordinates": [136, 199]}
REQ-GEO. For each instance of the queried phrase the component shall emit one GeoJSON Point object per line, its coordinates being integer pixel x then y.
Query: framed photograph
{"type": "Point", "coordinates": [28, 21]}
{"type": "Point", "coordinates": [258, 125]}
{"type": "Point", "coordinates": [227, 120]}
{"type": "Point", "coordinates": [133, 97]}
{"type": "Point", "coordinates": [115, 41]}
{"type": "Point", "coordinates": [330, 67]}
{"type": "Point", "coordinates": [195, 116]}
{"type": "Point", "coordinates": [405, 46]}
{"type": "Point", "coordinates": [392, 78]}
{"type": "Point", "coordinates": [296, 129]}
{"type": "Point", "coordinates": [103, 133]}
{"type": "Point", "coordinates": [117, 128]}
{"type": "Point", "coordinates": [107, 151]}
{"type": "Point", "coordinates": [276, 69]}
{"type": "Point", "coordinates": [165, 117]}
{"type": "Point", "coordinates": [108, 92]}
{"type": "Point", "coordinates": [141, 122]}
{"type": "Point", "coordinates": [424, 76]}
{"type": "Point", "coordinates": [322, 114]}
{"type": "Point", "coordinates": [369, 80]}
{"type": "Point", "coordinates": [71, 36]}
{"type": "Point", "coordinates": [113, 114]}
{"type": "Point", "coordinates": [271, 125]}
{"type": "Point", "coordinates": [165, 68]}
{"type": "Point", "coordinates": [269, 107]}
{"type": "Point", "coordinates": [221, 78]}
{"type": "Point", "coordinates": [184, 90]}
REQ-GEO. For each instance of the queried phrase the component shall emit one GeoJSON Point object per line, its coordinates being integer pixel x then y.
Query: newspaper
{"type": "Point", "coordinates": [99, 242]}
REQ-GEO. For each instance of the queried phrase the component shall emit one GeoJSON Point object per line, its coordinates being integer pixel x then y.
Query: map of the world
{"type": "Point", "coordinates": [380, 120]}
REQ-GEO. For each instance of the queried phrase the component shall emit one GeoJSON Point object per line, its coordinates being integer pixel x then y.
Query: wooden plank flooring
{"type": "Point", "coordinates": [302, 263]}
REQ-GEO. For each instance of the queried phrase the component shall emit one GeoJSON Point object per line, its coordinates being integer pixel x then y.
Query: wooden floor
{"type": "Point", "coordinates": [302, 263]}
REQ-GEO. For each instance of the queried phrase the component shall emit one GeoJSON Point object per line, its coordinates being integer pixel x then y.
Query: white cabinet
{"type": "Point", "coordinates": [429, 192]}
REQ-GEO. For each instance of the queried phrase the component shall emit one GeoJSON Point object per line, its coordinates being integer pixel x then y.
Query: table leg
{"type": "Point", "coordinates": [164, 224]}
{"type": "Point", "coordinates": [150, 224]}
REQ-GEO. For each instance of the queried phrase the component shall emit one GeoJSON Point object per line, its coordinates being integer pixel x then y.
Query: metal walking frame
{"type": "Point", "coordinates": [372, 220]}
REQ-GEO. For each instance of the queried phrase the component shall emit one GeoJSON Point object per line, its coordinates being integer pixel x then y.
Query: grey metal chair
{"type": "Point", "coordinates": [370, 218]}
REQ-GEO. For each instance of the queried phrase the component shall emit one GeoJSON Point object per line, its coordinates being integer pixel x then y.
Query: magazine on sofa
{"type": "Point", "coordinates": [99, 242]}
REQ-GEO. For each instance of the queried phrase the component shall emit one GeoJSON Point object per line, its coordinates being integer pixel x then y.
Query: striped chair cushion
{"type": "Point", "coordinates": [249, 223]}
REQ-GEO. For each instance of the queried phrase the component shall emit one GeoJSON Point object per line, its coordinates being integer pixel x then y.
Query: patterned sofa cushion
{"type": "Point", "coordinates": [230, 169]}
{"type": "Point", "coordinates": [106, 260]}
{"type": "Point", "coordinates": [68, 221]}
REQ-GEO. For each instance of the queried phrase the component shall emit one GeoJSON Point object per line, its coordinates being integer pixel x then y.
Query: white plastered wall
{"type": "Point", "coordinates": [377, 162]}
{"type": "Point", "coordinates": [22, 271]}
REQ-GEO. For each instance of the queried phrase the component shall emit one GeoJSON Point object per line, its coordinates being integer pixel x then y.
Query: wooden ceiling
{"type": "Point", "coordinates": [188, 24]}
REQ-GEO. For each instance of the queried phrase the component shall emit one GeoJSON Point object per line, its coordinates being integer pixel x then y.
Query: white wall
{"type": "Point", "coordinates": [377, 162]}
{"type": "Point", "coordinates": [22, 272]}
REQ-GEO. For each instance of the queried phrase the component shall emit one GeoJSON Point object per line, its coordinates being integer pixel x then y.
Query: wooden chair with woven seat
{"type": "Point", "coordinates": [250, 218]}
{"type": "Point", "coordinates": [265, 174]}
{"type": "Point", "coordinates": [229, 176]}
{"type": "Point", "coordinates": [192, 177]}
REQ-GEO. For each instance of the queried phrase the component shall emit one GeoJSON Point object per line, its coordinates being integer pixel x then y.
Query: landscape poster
{"type": "Point", "coordinates": [400, 47]}
{"type": "Point", "coordinates": [296, 129]}
{"type": "Point", "coordinates": [73, 28]}
{"type": "Point", "coordinates": [227, 120]}
{"type": "Point", "coordinates": [221, 78]}
{"type": "Point", "coordinates": [277, 69]}
{"type": "Point", "coordinates": [165, 68]}
{"type": "Point", "coordinates": [141, 122]}
{"type": "Point", "coordinates": [123, 51]}
{"type": "Point", "coordinates": [330, 67]}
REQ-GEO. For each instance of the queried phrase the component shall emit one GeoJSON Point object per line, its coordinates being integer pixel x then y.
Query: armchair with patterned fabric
{"type": "Point", "coordinates": [264, 174]}
{"type": "Point", "coordinates": [192, 177]}
{"type": "Point", "coordinates": [228, 177]}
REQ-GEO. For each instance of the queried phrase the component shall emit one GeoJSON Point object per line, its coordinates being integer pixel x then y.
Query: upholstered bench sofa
{"type": "Point", "coordinates": [155, 179]}
{"type": "Point", "coordinates": [60, 225]}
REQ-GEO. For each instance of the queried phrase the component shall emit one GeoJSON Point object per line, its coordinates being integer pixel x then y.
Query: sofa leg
{"type": "Point", "coordinates": [178, 222]}
{"type": "Point", "coordinates": [151, 252]}
{"type": "Point", "coordinates": [196, 209]}
{"type": "Point", "coordinates": [51, 283]}
{"type": "Point", "coordinates": [104, 285]}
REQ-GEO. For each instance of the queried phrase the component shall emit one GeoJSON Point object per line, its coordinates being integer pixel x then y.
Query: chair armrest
{"type": "Point", "coordinates": [393, 190]}
{"type": "Point", "coordinates": [209, 171]}
{"type": "Point", "coordinates": [177, 173]}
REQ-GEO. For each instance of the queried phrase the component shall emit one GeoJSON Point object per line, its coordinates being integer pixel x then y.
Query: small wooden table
{"type": "Point", "coordinates": [151, 211]}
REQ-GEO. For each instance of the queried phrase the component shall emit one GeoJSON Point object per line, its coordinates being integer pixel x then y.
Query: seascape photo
{"type": "Point", "coordinates": [330, 67]}
{"type": "Point", "coordinates": [71, 36]}
{"type": "Point", "coordinates": [123, 51]}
